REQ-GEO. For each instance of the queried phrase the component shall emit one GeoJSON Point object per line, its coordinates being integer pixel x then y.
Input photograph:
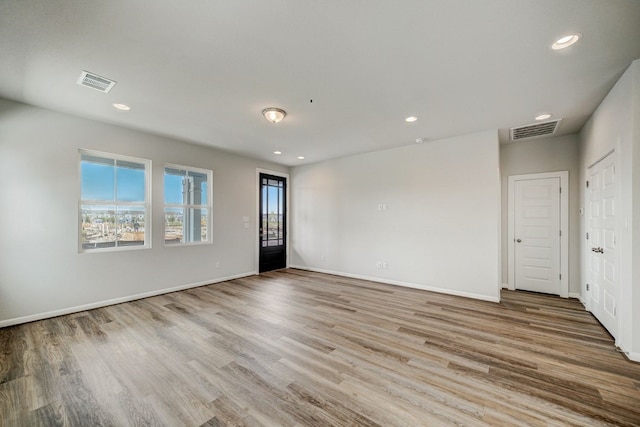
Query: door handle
{"type": "Point", "coordinates": [518, 240]}
{"type": "Point", "coordinates": [597, 250]}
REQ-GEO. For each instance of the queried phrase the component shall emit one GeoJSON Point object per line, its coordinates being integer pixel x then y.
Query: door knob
{"type": "Point", "coordinates": [518, 240]}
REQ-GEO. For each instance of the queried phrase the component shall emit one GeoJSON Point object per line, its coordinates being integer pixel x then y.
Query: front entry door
{"type": "Point", "coordinates": [537, 235]}
{"type": "Point", "coordinates": [273, 222]}
{"type": "Point", "coordinates": [602, 254]}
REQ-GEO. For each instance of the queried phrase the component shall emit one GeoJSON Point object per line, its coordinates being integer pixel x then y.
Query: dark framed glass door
{"type": "Point", "coordinates": [273, 222]}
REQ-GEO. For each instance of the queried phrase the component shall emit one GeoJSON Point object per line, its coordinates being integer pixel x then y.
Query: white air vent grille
{"type": "Point", "coordinates": [96, 82]}
{"type": "Point", "coordinates": [534, 131]}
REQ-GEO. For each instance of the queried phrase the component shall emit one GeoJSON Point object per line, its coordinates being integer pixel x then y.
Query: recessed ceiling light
{"type": "Point", "coordinates": [121, 107]}
{"type": "Point", "coordinates": [544, 116]}
{"type": "Point", "coordinates": [277, 152]}
{"type": "Point", "coordinates": [411, 119]}
{"type": "Point", "coordinates": [566, 41]}
{"type": "Point", "coordinates": [301, 157]}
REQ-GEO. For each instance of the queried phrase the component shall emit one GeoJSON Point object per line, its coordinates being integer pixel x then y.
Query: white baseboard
{"type": "Point", "coordinates": [633, 356]}
{"type": "Point", "coordinates": [578, 297]}
{"type": "Point", "coordinates": [84, 307]}
{"type": "Point", "coordinates": [404, 284]}
{"type": "Point", "coordinates": [505, 286]}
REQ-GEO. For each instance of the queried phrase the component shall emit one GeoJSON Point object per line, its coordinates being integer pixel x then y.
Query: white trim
{"type": "Point", "coordinates": [99, 304]}
{"type": "Point", "coordinates": [403, 284]}
{"type": "Point", "coordinates": [505, 286]}
{"type": "Point", "coordinates": [258, 219]}
{"type": "Point", "coordinates": [578, 296]}
{"type": "Point", "coordinates": [635, 357]}
{"type": "Point", "coordinates": [564, 226]}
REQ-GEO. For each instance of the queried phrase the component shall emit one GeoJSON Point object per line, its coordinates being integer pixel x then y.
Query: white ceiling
{"type": "Point", "coordinates": [202, 70]}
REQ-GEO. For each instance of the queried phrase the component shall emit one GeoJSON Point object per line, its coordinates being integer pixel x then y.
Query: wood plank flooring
{"type": "Point", "coordinates": [294, 348]}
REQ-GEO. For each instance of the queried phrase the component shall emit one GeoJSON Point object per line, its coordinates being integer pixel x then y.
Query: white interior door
{"type": "Point", "coordinates": [537, 235]}
{"type": "Point", "coordinates": [602, 255]}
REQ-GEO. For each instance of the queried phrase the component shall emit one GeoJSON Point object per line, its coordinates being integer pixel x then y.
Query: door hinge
{"type": "Point", "coordinates": [587, 286]}
{"type": "Point", "coordinates": [560, 189]}
{"type": "Point", "coordinates": [561, 232]}
{"type": "Point", "coordinates": [587, 184]}
{"type": "Point", "coordinates": [560, 276]}
{"type": "Point", "coordinates": [587, 236]}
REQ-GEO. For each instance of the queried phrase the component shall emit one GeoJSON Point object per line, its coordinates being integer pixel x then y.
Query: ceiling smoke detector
{"type": "Point", "coordinates": [96, 82]}
{"type": "Point", "coordinates": [535, 131]}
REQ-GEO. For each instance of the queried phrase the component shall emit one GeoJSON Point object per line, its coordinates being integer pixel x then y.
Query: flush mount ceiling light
{"type": "Point", "coordinates": [411, 119]}
{"type": "Point", "coordinates": [300, 157]}
{"type": "Point", "coordinates": [543, 116]}
{"type": "Point", "coordinates": [277, 152]}
{"type": "Point", "coordinates": [274, 115]}
{"type": "Point", "coordinates": [121, 107]}
{"type": "Point", "coordinates": [566, 41]}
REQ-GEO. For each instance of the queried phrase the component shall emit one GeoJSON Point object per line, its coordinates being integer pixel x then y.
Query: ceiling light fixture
{"type": "Point", "coordinates": [300, 157]}
{"type": "Point", "coordinates": [544, 116]}
{"type": "Point", "coordinates": [411, 119]}
{"type": "Point", "coordinates": [277, 152]}
{"type": "Point", "coordinates": [121, 107]}
{"type": "Point", "coordinates": [274, 115]}
{"type": "Point", "coordinates": [566, 41]}
{"type": "Point", "coordinates": [419, 140]}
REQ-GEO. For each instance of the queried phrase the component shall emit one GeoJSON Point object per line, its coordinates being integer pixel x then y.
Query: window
{"type": "Point", "coordinates": [187, 205]}
{"type": "Point", "coordinates": [114, 201]}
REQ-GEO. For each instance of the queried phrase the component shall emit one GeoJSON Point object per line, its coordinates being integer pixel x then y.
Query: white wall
{"type": "Point", "coordinates": [440, 229]}
{"type": "Point", "coordinates": [537, 156]}
{"type": "Point", "coordinates": [615, 125]}
{"type": "Point", "coordinates": [41, 271]}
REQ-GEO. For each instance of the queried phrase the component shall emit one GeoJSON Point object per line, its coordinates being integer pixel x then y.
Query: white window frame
{"type": "Point", "coordinates": [208, 206]}
{"type": "Point", "coordinates": [146, 205]}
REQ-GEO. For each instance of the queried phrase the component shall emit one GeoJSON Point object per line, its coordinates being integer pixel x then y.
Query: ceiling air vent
{"type": "Point", "coordinates": [534, 131]}
{"type": "Point", "coordinates": [96, 82]}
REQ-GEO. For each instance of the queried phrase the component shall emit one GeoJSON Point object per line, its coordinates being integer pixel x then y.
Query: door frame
{"type": "Point", "coordinates": [256, 230]}
{"type": "Point", "coordinates": [564, 226]}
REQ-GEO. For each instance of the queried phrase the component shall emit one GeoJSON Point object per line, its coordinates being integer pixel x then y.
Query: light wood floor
{"type": "Point", "coordinates": [294, 348]}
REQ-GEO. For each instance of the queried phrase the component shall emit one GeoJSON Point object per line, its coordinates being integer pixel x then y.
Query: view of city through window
{"type": "Point", "coordinates": [187, 209]}
{"type": "Point", "coordinates": [113, 198]}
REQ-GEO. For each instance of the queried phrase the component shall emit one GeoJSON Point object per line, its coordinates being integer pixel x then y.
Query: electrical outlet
{"type": "Point", "coordinates": [379, 264]}
{"type": "Point", "coordinates": [384, 265]}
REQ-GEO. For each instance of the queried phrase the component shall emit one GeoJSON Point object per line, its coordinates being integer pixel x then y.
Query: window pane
{"type": "Point", "coordinates": [199, 224]}
{"type": "Point", "coordinates": [173, 190]}
{"type": "Point", "coordinates": [131, 225]}
{"type": "Point", "coordinates": [97, 179]}
{"type": "Point", "coordinates": [130, 182]}
{"type": "Point", "coordinates": [173, 225]}
{"type": "Point", "coordinates": [199, 188]}
{"type": "Point", "coordinates": [98, 226]}
{"type": "Point", "coordinates": [273, 200]}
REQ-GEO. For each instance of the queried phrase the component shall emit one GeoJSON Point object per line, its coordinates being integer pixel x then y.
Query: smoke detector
{"type": "Point", "coordinates": [96, 82]}
{"type": "Point", "coordinates": [535, 131]}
